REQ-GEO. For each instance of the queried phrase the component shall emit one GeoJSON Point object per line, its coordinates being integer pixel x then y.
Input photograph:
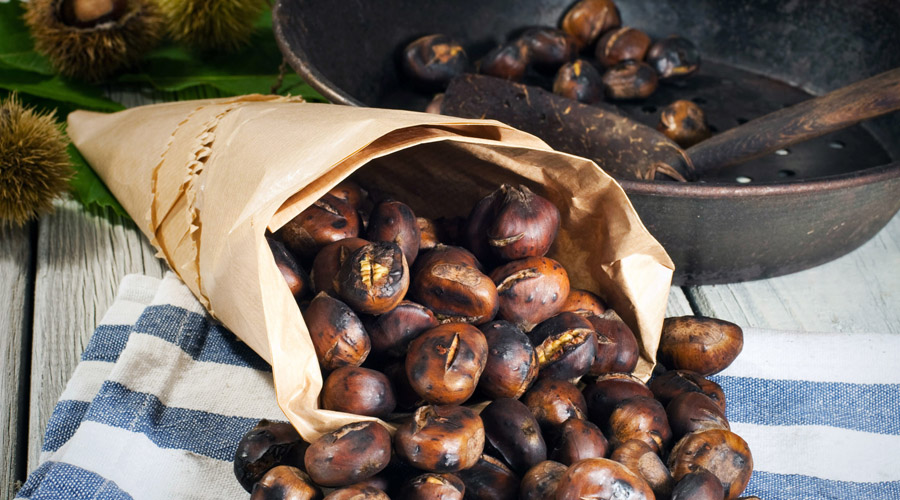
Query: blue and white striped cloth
{"type": "Point", "coordinates": [162, 395]}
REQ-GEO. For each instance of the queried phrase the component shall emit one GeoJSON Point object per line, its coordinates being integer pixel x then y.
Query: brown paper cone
{"type": "Point", "coordinates": [205, 179]}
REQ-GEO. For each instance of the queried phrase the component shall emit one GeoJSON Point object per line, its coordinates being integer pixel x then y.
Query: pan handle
{"type": "Point", "coordinates": [835, 110]}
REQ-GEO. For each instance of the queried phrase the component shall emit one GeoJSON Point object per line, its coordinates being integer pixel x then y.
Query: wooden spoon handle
{"type": "Point", "coordinates": [818, 116]}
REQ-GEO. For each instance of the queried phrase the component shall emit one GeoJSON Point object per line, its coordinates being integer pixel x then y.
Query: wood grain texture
{"type": "Point", "coordinates": [678, 303]}
{"type": "Point", "coordinates": [15, 274]}
{"type": "Point", "coordinates": [859, 292]}
{"type": "Point", "coordinates": [81, 258]}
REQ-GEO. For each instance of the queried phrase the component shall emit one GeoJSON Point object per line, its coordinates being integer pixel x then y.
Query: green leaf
{"type": "Point", "coordinates": [88, 188]}
{"type": "Point", "coordinates": [55, 88]}
{"type": "Point", "coordinates": [16, 47]}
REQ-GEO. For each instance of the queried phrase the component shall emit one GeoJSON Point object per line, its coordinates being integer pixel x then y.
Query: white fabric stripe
{"type": "Point", "coordinates": [823, 452]}
{"type": "Point", "coordinates": [146, 472]}
{"type": "Point", "coordinates": [818, 357]}
{"type": "Point", "coordinates": [86, 380]}
{"type": "Point", "coordinates": [173, 292]}
{"type": "Point", "coordinates": [135, 293]}
{"type": "Point", "coordinates": [152, 365]}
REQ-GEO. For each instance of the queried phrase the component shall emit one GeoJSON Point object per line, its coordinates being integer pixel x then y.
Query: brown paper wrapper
{"type": "Point", "coordinates": [204, 180]}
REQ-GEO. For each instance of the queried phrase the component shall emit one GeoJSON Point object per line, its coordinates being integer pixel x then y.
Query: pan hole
{"type": "Point", "coordinates": [783, 152]}
{"type": "Point", "coordinates": [786, 173]}
{"type": "Point", "coordinates": [742, 121]}
{"type": "Point", "coordinates": [699, 100]}
{"type": "Point", "coordinates": [836, 144]}
{"type": "Point", "coordinates": [743, 179]}
{"type": "Point", "coordinates": [649, 109]}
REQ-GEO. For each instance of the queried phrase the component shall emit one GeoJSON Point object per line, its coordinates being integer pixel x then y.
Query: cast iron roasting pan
{"type": "Point", "coordinates": [790, 210]}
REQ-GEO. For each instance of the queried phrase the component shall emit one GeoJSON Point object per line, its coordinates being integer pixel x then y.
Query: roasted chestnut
{"type": "Point", "coordinates": [336, 332]}
{"type": "Point", "coordinates": [550, 47]}
{"type": "Point", "coordinates": [588, 19]}
{"type": "Point", "coordinates": [433, 60]}
{"type": "Point", "coordinates": [530, 290]}
{"type": "Point", "coordinates": [699, 485]}
{"type": "Point", "coordinates": [579, 439]}
{"type": "Point", "coordinates": [508, 61]}
{"type": "Point", "coordinates": [434, 487]}
{"type": "Point", "coordinates": [630, 80]}
{"type": "Point", "coordinates": [358, 492]}
{"type": "Point", "coordinates": [329, 219]}
{"type": "Point", "coordinates": [617, 348]}
{"type": "Point", "coordinates": [353, 389]}
{"type": "Point", "coordinates": [683, 122]}
{"type": "Point", "coordinates": [700, 344]}
{"type": "Point", "coordinates": [694, 411]}
{"type": "Point", "coordinates": [297, 280]}
{"type": "Point", "coordinates": [719, 451]}
{"type": "Point", "coordinates": [328, 262]}
{"type": "Point", "coordinates": [448, 280]}
{"type": "Point", "coordinates": [490, 479]}
{"type": "Point", "coordinates": [601, 478]}
{"type": "Point", "coordinates": [511, 364]}
{"type": "Point", "coordinates": [607, 391]}
{"type": "Point", "coordinates": [674, 57]}
{"type": "Point", "coordinates": [512, 431]}
{"type": "Point", "coordinates": [267, 445]}
{"type": "Point", "coordinates": [429, 233]}
{"type": "Point", "coordinates": [622, 44]}
{"type": "Point", "coordinates": [553, 402]}
{"type": "Point", "coordinates": [434, 107]}
{"type": "Point", "coordinates": [540, 481]}
{"type": "Point", "coordinates": [566, 346]}
{"type": "Point", "coordinates": [579, 80]}
{"type": "Point", "coordinates": [285, 483]}
{"type": "Point", "coordinates": [441, 438]}
{"type": "Point", "coordinates": [374, 278]}
{"type": "Point", "coordinates": [670, 384]}
{"type": "Point", "coordinates": [394, 221]}
{"type": "Point", "coordinates": [392, 331]}
{"type": "Point", "coordinates": [444, 363]}
{"type": "Point", "coordinates": [643, 461]}
{"type": "Point", "coordinates": [407, 398]}
{"type": "Point", "coordinates": [350, 192]}
{"type": "Point", "coordinates": [642, 418]}
{"type": "Point", "coordinates": [583, 303]}
{"type": "Point", "coordinates": [349, 454]}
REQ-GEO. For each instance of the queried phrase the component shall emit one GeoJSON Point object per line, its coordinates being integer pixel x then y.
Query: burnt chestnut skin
{"type": "Point", "coordinates": [674, 57]}
{"type": "Point", "coordinates": [550, 47]}
{"type": "Point", "coordinates": [640, 418]}
{"type": "Point", "coordinates": [433, 60]}
{"type": "Point", "coordinates": [434, 487]}
{"type": "Point", "coordinates": [441, 438]}
{"type": "Point", "coordinates": [358, 492]}
{"type": "Point", "coordinates": [508, 61]}
{"type": "Point", "coordinates": [490, 479]}
{"type": "Point", "coordinates": [683, 122]}
{"type": "Point", "coordinates": [579, 439]}
{"type": "Point", "coordinates": [602, 478]}
{"type": "Point", "coordinates": [540, 481]}
{"type": "Point", "coordinates": [285, 483]}
{"type": "Point", "coordinates": [552, 402]}
{"type": "Point", "coordinates": [583, 303]}
{"type": "Point", "coordinates": [353, 389]}
{"type": "Point", "coordinates": [512, 431]}
{"type": "Point", "coordinates": [643, 461]}
{"type": "Point", "coordinates": [630, 80]}
{"type": "Point", "coordinates": [444, 363]}
{"type": "Point", "coordinates": [337, 333]}
{"type": "Point", "coordinates": [617, 349]}
{"type": "Point", "coordinates": [694, 411]}
{"type": "Point", "coordinates": [622, 44]}
{"type": "Point", "coordinates": [329, 219]}
{"type": "Point", "coordinates": [699, 485]}
{"type": "Point", "coordinates": [448, 280]}
{"type": "Point", "coordinates": [608, 390]}
{"type": "Point", "coordinates": [700, 344]}
{"type": "Point", "coordinates": [588, 19]}
{"type": "Point", "coordinates": [579, 80]}
{"type": "Point", "coordinates": [349, 454]}
{"type": "Point", "coordinates": [394, 221]}
{"type": "Point", "coordinates": [392, 331]}
{"type": "Point", "coordinates": [511, 364]}
{"type": "Point", "coordinates": [719, 451]}
{"type": "Point", "coordinates": [328, 262]}
{"type": "Point", "coordinates": [374, 278]}
{"type": "Point", "coordinates": [267, 445]}
{"type": "Point", "coordinates": [566, 346]}
{"type": "Point", "coordinates": [530, 290]}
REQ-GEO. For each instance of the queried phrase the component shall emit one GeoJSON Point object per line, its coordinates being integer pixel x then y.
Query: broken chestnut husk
{"type": "Point", "coordinates": [511, 364]}
{"type": "Point", "coordinates": [588, 19]}
{"type": "Point", "coordinates": [540, 481]}
{"type": "Point", "coordinates": [602, 478]}
{"type": "Point", "coordinates": [392, 331]}
{"type": "Point", "coordinates": [719, 451]}
{"type": "Point", "coordinates": [353, 389]}
{"type": "Point", "coordinates": [394, 221]}
{"type": "Point", "coordinates": [579, 80]}
{"type": "Point", "coordinates": [642, 418]}
{"type": "Point", "coordinates": [630, 80]}
{"type": "Point", "coordinates": [329, 219]}
{"type": "Point", "coordinates": [553, 402]}
{"type": "Point", "coordinates": [267, 445]}
{"type": "Point", "coordinates": [643, 461]}
{"type": "Point", "coordinates": [296, 278]}
{"type": "Point", "coordinates": [607, 391]}
{"type": "Point", "coordinates": [683, 122]}
{"type": "Point", "coordinates": [490, 479]}
{"type": "Point", "coordinates": [670, 384]}
{"type": "Point", "coordinates": [622, 44]}
{"type": "Point", "coordinates": [336, 332]}
{"type": "Point", "coordinates": [328, 262]}
{"type": "Point", "coordinates": [443, 364]}
{"type": "Point", "coordinates": [508, 61]}
{"type": "Point", "coordinates": [674, 57]}
{"type": "Point", "coordinates": [512, 431]}
{"type": "Point", "coordinates": [285, 483]}
{"type": "Point", "coordinates": [530, 290]}
{"type": "Point", "coordinates": [349, 454]}
{"type": "Point", "coordinates": [445, 438]}
{"type": "Point", "coordinates": [579, 439]}
{"type": "Point", "coordinates": [432, 61]}
{"type": "Point", "coordinates": [700, 344]}
{"type": "Point", "coordinates": [448, 280]}
{"type": "Point", "coordinates": [374, 278]}
{"type": "Point", "coordinates": [434, 487]}
{"type": "Point", "coordinates": [550, 47]}
{"type": "Point", "coordinates": [699, 485]}
{"type": "Point", "coordinates": [566, 346]}
{"type": "Point", "coordinates": [617, 349]}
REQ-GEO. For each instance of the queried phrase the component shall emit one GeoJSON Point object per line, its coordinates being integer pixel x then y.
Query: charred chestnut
{"type": "Point", "coordinates": [579, 439]}
{"type": "Point", "coordinates": [700, 344]}
{"type": "Point", "coordinates": [285, 483]}
{"type": "Point", "coordinates": [643, 461]}
{"type": "Point", "coordinates": [530, 290]}
{"type": "Point", "coordinates": [490, 479]}
{"type": "Point", "coordinates": [583, 303]}
{"type": "Point", "coordinates": [566, 346]}
{"type": "Point", "coordinates": [550, 47]}
{"type": "Point", "coordinates": [448, 280]}
{"type": "Point", "coordinates": [540, 481]}
{"type": "Point", "coordinates": [602, 478]}
{"type": "Point", "coordinates": [693, 411]}
{"type": "Point", "coordinates": [328, 262]}
{"type": "Point", "coordinates": [640, 418]}
{"type": "Point", "coordinates": [297, 280]}
{"type": "Point", "coordinates": [617, 349]}
{"type": "Point", "coordinates": [588, 19]}
{"type": "Point", "coordinates": [699, 485]}
{"type": "Point", "coordinates": [374, 278]}
{"type": "Point", "coordinates": [552, 402]}
{"type": "Point", "coordinates": [357, 390]}
{"type": "Point", "coordinates": [607, 391]}
{"type": "Point", "coordinates": [337, 333]}
{"type": "Point", "coordinates": [392, 331]}
{"type": "Point", "coordinates": [622, 44]}
{"type": "Point", "coordinates": [508, 61]}
{"type": "Point", "coordinates": [349, 454]}
{"type": "Point", "coordinates": [358, 492]}
{"type": "Point", "coordinates": [433, 60]}
{"type": "Point", "coordinates": [267, 445]}
{"type": "Point", "coordinates": [512, 431]}
{"type": "Point", "coordinates": [579, 80]}
{"type": "Point", "coordinates": [329, 219]}
{"type": "Point", "coordinates": [441, 438]}
{"type": "Point", "coordinates": [350, 192]}
{"type": "Point", "coordinates": [630, 80]}
{"type": "Point", "coordinates": [434, 487]}
{"type": "Point", "coordinates": [674, 57]}
{"type": "Point", "coordinates": [683, 122]}
{"type": "Point", "coordinates": [394, 221]}
{"type": "Point", "coordinates": [511, 363]}
{"type": "Point", "coordinates": [670, 384]}
{"type": "Point", "coordinates": [719, 451]}
{"type": "Point", "coordinates": [444, 363]}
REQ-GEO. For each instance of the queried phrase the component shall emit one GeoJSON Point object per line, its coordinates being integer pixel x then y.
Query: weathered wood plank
{"type": "Point", "coordinates": [678, 303]}
{"type": "Point", "coordinates": [16, 281]}
{"type": "Point", "coordinates": [859, 292]}
{"type": "Point", "coordinates": [81, 258]}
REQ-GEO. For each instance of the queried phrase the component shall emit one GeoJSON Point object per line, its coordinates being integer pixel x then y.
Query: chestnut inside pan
{"type": "Point", "coordinates": [788, 211]}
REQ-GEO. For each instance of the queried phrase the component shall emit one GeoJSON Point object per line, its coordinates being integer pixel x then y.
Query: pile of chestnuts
{"type": "Point", "coordinates": [589, 58]}
{"type": "Point", "coordinates": [424, 322]}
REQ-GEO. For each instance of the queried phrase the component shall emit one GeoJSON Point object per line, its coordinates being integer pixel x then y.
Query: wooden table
{"type": "Point", "coordinates": [59, 275]}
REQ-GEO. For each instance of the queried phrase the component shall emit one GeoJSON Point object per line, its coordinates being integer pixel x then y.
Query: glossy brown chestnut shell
{"type": "Point", "coordinates": [328, 262]}
{"type": "Point", "coordinates": [583, 303]}
{"type": "Point", "coordinates": [358, 492]}
{"type": "Point", "coordinates": [448, 280]}
{"type": "Point", "coordinates": [643, 461]}
{"type": "Point", "coordinates": [444, 364]}
{"type": "Point", "coordinates": [297, 279]}
{"type": "Point", "coordinates": [579, 439]}
{"type": "Point", "coordinates": [267, 445]}
{"type": "Point", "coordinates": [329, 219]}
{"type": "Point", "coordinates": [700, 344]}
{"type": "Point", "coordinates": [432, 61]}
{"type": "Point", "coordinates": [602, 478]}
{"type": "Point", "coordinates": [540, 481]}
{"type": "Point", "coordinates": [579, 80]}
{"type": "Point", "coordinates": [392, 331]}
{"type": "Point", "coordinates": [285, 483]}
{"type": "Point", "coordinates": [670, 384]}
{"type": "Point", "coordinates": [674, 57]}
{"type": "Point", "coordinates": [683, 122]}
{"type": "Point", "coordinates": [550, 47]}
{"type": "Point", "coordinates": [552, 402]}
{"type": "Point", "coordinates": [699, 485]}
{"type": "Point", "coordinates": [588, 19]}
{"type": "Point", "coordinates": [512, 223]}
{"type": "Point", "coordinates": [374, 278]}
{"type": "Point", "coordinates": [617, 348]}
{"type": "Point", "coordinates": [490, 479]}
{"type": "Point", "coordinates": [434, 487]}
{"type": "Point", "coordinates": [407, 398]}
{"type": "Point", "coordinates": [719, 451]}
{"type": "Point", "coordinates": [508, 61]}
{"type": "Point", "coordinates": [394, 221]}
{"type": "Point", "coordinates": [630, 80]}
{"type": "Point", "coordinates": [441, 438]}
{"type": "Point", "coordinates": [622, 44]}
{"type": "Point", "coordinates": [642, 418]}
{"type": "Point", "coordinates": [513, 433]}
{"type": "Point", "coordinates": [566, 346]}
{"type": "Point", "coordinates": [337, 333]}
{"type": "Point", "coordinates": [530, 290]}
{"type": "Point", "coordinates": [349, 454]}
{"type": "Point", "coordinates": [353, 389]}
{"type": "Point", "coordinates": [607, 391]}
{"type": "Point", "coordinates": [694, 411]}
{"type": "Point", "coordinates": [511, 364]}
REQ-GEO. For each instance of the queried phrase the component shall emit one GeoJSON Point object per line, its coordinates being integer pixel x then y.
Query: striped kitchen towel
{"type": "Point", "coordinates": [163, 394]}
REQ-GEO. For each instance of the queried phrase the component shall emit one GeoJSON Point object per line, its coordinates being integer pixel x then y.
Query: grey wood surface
{"type": "Point", "coordinates": [15, 269]}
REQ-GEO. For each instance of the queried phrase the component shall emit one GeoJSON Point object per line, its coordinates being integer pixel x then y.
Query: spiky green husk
{"type": "Point", "coordinates": [34, 165]}
{"type": "Point", "coordinates": [93, 54]}
{"type": "Point", "coordinates": [211, 24]}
